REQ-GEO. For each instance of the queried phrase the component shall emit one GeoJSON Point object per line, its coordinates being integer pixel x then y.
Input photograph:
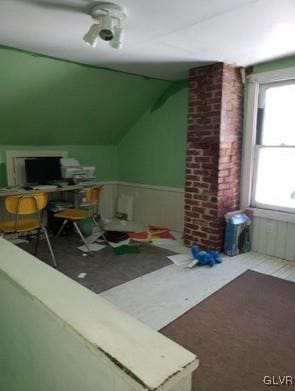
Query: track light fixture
{"type": "Point", "coordinates": [107, 26]}
{"type": "Point", "coordinates": [91, 36]}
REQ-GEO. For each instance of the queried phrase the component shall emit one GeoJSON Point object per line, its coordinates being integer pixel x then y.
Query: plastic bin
{"type": "Point", "coordinates": [237, 233]}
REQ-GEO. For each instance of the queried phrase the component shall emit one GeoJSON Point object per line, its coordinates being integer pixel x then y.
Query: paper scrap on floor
{"type": "Point", "coordinates": [159, 242]}
{"type": "Point", "coordinates": [143, 236]}
{"type": "Point", "coordinates": [82, 275]}
{"type": "Point", "coordinates": [180, 259]}
{"type": "Point", "coordinates": [93, 237]}
{"type": "Point", "coordinates": [163, 234]}
{"type": "Point", "coordinates": [126, 250]}
{"type": "Point", "coordinates": [119, 244]}
{"type": "Point", "coordinates": [92, 246]}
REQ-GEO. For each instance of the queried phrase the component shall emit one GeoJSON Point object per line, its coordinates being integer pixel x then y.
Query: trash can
{"type": "Point", "coordinates": [237, 233]}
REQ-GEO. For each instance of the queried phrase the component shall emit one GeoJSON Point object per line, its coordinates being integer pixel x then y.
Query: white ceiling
{"type": "Point", "coordinates": [163, 38]}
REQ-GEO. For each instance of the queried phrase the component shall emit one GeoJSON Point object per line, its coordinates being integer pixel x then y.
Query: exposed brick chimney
{"type": "Point", "coordinates": [213, 152]}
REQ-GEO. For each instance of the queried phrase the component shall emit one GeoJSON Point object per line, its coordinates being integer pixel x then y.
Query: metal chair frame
{"type": "Point", "coordinates": [93, 215]}
{"type": "Point", "coordinates": [37, 213]}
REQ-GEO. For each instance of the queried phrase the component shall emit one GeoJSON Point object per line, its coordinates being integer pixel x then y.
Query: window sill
{"type": "Point", "coordinates": [271, 214]}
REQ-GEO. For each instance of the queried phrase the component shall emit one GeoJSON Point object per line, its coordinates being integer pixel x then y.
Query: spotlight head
{"type": "Point", "coordinates": [117, 41]}
{"type": "Point", "coordinates": [107, 28]}
{"type": "Point", "coordinates": [92, 35]}
{"type": "Point", "coordinates": [108, 18]}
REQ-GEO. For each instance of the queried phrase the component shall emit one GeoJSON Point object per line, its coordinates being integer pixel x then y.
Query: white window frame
{"type": "Point", "coordinates": [249, 153]}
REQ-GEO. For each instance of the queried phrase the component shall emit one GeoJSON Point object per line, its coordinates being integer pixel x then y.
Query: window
{"type": "Point", "coordinates": [273, 177]}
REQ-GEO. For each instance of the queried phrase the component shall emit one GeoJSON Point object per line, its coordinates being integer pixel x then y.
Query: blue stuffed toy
{"type": "Point", "coordinates": [203, 258]}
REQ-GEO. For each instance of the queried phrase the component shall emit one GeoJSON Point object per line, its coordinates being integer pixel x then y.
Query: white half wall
{"type": "Point", "coordinates": [57, 335]}
{"type": "Point", "coordinates": [273, 237]}
{"type": "Point", "coordinates": [163, 206]}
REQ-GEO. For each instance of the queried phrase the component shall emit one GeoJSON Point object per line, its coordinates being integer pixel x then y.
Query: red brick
{"type": "Point", "coordinates": [213, 152]}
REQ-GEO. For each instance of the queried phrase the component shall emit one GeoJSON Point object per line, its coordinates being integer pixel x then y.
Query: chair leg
{"type": "Point", "coordinates": [37, 242]}
{"type": "Point", "coordinates": [49, 246]}
{"type": "Point", "coordinates": [101, 229]}
{"type": "Point", "coordinates": [82, 237]}
{"type": "Point", "coordinates": [60, 229]}
{"type": "Point", "coordinates": [95, 221]}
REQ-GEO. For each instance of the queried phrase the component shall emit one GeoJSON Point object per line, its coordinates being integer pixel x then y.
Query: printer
{"type": "Point", "coordinates": [71, 169]}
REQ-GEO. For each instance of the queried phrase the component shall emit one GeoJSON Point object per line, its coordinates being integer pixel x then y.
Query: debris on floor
{"type": "Point", "coordinates": [92, 246]}
{"type": "Point", "coordinates": [119, 244]}
{"type": "Point", "coordinates": [143, 236]}
{"type": "Point", "coordinates": [94, 236]}
{"type": "Point", "coordinates": [161, 233]}
{"type": "Point", "coordinates": [117, 238]}
{"type": "Point", "coordinates": [82, 275]}
{"type": "Point", "coordinates": [123, 225]}
{"type": "Point", "coordinates": [126, 249]}
{"type": "Point", "coordinates": [153, 234]}
{"type": "Point", "coordinates": [180, 259]}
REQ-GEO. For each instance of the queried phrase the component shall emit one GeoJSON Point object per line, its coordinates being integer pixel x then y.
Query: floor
{"type": "Point", "coordinates": [105, 269]}
{"type": "Point", "coordinates": [157, 297]}
{"type": "Point", "coordinates": [160, 297]}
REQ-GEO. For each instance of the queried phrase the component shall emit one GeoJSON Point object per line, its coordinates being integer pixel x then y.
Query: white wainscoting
{"type": "Point", "coordinates": [108, 200]}
{"type": "Point", "coordinates": [163, 206]}
{"type": "Point", "coordinates": [273, 237]}
{"type": "Point", "coordinates": [152, 204]}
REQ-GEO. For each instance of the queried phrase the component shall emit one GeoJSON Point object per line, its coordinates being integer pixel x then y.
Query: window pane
{"type": "Point", "coordinates": [275, 182]}
{"type": "Point", "coordinates": [279, 116]}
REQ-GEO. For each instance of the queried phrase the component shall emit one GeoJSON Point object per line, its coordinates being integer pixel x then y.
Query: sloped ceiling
{"type": "Point", "coordinates": [48, 102]}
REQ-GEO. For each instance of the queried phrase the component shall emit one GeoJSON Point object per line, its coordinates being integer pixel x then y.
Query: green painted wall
{"type": "Point", "coordinates": [104, 158]}
{"type": "Point", "coordinates": [45, 101]}
{"type": "Point", "coordinates": [52, 104]}
{"type": "Point", "coordinates": [131, 128]}
{"type": "Point", "coordinates": [40, 352]}
{"type": "Point", "coordinates": [153, 152]}
{"type": "Point", "coordinates": [276, 64]}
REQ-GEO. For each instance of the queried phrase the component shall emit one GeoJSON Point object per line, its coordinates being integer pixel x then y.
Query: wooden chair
{"type": "Point", "coordinates": [75, 215]}
{"type": "Point", "coordinates": [21, 206]}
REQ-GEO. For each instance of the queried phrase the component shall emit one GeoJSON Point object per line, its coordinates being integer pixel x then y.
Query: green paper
{"type": "Point", "coordinates": [126, 249]}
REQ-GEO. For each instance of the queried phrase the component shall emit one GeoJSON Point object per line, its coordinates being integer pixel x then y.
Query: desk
{"type": "Point", "coordinates": [4, 191]}
{"type": "Point", "coordinates": [18, 191]}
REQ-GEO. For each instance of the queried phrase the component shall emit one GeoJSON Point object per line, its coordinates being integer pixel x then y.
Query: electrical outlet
{"type": "Point", "coordinates": [269, 227]}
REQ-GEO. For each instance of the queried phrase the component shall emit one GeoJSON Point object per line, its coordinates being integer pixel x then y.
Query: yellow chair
{"type": "Point", "coordinates": [24, 205]}
{"type": "Point", "coordinates": [75, 215]}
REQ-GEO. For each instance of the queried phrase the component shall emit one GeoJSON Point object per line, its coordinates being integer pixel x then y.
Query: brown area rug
{"type": "Point", "coordinates": [241, 333]}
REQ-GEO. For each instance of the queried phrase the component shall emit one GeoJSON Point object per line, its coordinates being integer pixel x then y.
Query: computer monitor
{"type": "Point", "coordinates": [43, 170]}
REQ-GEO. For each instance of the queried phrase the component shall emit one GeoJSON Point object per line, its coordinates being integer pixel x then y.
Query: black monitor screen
{"type": "Point", "coordinates": [43, 169]}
